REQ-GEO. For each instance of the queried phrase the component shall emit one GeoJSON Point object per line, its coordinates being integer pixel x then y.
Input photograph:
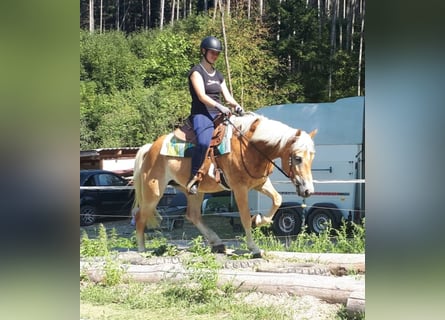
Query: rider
{"type": "Point", "coordinates": [205, 85]}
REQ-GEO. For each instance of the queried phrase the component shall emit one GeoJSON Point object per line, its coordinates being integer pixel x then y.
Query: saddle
{"type": "Point", "coordinates": [186, 133]}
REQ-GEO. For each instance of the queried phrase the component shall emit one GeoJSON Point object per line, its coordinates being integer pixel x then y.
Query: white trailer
{"type": "Point", "coordinates": [338, 167]}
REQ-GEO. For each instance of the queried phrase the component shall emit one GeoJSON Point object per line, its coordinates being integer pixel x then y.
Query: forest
{"type": "Point", "coordinates": [135, 56]}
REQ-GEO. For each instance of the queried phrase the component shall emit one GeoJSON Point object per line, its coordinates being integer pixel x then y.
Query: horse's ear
{"type": "Point", "coordinates": [313, 133]}
{"type": "Point", "coordinates": [254, 125]}
{"type": "Point", "coordinates": [298, 132]}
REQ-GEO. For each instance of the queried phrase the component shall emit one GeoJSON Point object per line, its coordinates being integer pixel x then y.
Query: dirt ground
{"type": "Point", "coordinates": [221, 225]}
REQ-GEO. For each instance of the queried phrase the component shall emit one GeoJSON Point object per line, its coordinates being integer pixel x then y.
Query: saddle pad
{"type": "Point", "coordinates": [175, 147]}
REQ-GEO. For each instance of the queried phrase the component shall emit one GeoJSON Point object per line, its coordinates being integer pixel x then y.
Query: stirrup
{"type": "Point", "coordinates": [192, 186]}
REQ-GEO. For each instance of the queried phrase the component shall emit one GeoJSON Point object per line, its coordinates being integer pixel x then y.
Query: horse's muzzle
{"type": "Point", "coordinates": [304, 191]}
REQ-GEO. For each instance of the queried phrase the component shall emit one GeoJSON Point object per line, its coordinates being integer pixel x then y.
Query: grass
{"type": "Point", "coordinates": [198, 296]}
{"type": "Point", "coordinates": [346, 239]}
{"type": "Point", "coordinates": [148, 301]}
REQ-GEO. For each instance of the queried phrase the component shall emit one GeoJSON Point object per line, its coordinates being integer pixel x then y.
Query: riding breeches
{"type": "Point", "coordinates": [203, 128]}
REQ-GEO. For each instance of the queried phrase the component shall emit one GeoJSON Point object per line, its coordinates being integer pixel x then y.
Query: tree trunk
{"type": "Point", "coordinates": [100, 17]}
{"type": "Point", "coordinates": [260, 9]}
{"type": "Point", "coordinates": [173, 13]}
{"type": "Point", "coordinates": [248, 9]}
{"type": "Point", "coordinates": [333, 35]}
{"type": "Point", "coordinates": [147, 14]}
{"type": "Point", "coordinates": [161, 15]}
{"type": "Point", "coordinates": [91, 14]}
{"type": "Point", "coordinates": [177, 10]}
{"type": "Point", "coordinates": [215, 6]}
{"type": "Point", "coordinates": [226, 50]}
{"type": "Point", "coordinates": [319, 19]}
{"type": "Point", "coordinates": [117, 15]}
{"type": "Point", "coordinates": [362, 29]}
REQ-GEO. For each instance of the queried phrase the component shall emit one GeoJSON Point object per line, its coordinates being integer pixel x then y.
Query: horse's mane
{"type": "Point", "coordinates": [270, 131]}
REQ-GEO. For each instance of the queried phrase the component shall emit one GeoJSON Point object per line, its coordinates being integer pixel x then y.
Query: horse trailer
{"type": "Point", "coordinates": [337, 169]}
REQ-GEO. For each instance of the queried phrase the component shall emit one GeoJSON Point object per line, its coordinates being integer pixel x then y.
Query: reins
{"type": "Point", "coordinates": [259, 151]}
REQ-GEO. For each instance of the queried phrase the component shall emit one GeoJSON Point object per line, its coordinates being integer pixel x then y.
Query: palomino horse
{"type": "Point", "coordinates": [255, 142]}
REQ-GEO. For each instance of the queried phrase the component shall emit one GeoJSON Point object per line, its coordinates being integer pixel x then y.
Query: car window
{"type": "Point", "coordinates": [90, 182]}
{"type": "Point", "coordinates": [106, 179]}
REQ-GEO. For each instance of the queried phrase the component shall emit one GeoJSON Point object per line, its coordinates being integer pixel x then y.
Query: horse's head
{"type": "Point", "coordinates": [300, 159]}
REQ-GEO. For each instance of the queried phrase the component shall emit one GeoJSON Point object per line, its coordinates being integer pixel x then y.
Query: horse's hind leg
{"type": "Point", "coordinates": [194, 215]}
{"type": "Point", "coordinates": [268, 189]}
{"type": "Point", "coordinates": [147, 215]}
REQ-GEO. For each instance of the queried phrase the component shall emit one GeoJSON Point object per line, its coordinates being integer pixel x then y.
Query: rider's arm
{"type": "Point", "coordinates": [227, 96]}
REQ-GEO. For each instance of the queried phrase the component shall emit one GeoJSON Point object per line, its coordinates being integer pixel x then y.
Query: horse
{"type": "Point", "coordinates": [255, 142]}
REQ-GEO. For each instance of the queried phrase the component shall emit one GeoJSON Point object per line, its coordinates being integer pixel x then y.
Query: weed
{"type": "Point", "coordinates": [329, 240]}
{"type": "Point", "coordinates": [113, 272]}
{"type": "Point", "coordinates": [94, 247]}
{"type": "Point", "coordinates": [160, 247]}
{"type": "Point", "coordinates": [202, 270]}
{"type": "Point", "coordinates": [343, 314]}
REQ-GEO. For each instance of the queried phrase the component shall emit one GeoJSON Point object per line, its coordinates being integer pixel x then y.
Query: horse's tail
{"type": "Point", "coordinates": [137, 176]}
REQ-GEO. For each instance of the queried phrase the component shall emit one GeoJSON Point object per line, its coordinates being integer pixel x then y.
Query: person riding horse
{"type": "Point", "coordinates": [206, 85]}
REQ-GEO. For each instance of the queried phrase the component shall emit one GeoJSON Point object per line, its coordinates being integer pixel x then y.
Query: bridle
{"type": "Point", "coordinates": [292, 176]}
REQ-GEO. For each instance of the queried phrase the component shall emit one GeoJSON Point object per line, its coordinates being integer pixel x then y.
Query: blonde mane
{"type": "Point", "coordinates": [273, 132]}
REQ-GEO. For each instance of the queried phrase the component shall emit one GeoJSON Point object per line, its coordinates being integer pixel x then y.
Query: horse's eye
{"type": "Point", "coordinates": [298, 160]}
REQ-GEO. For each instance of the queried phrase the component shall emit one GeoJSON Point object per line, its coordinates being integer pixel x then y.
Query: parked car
{"type": "Point", "coordinates": [104, 194]}
{"type": "Point", "coordinates": [172, 207]}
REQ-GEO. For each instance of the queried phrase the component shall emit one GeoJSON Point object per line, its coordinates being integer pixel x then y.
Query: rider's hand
{"type": "Point", "coordinates": [239, 110]}
{"type": "Point", "coordinates": [224, 110]}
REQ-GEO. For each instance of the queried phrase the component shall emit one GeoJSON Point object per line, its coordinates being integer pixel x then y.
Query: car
{"type": "Point", "coordinates": [103, 195]}
{"type": "Point", "coordinates": [172, 207]}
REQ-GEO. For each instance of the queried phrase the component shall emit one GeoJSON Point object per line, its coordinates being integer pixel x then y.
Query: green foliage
{"type": "Point", "coordinates": [159, 247]}
{"type": "Point", "coordinates": [265, 240]}
{"type": "Point", "coordinates": [94, 247]}
{"type": "Point", "coordinates": [202, 268]}
{"type": "Point", "coordinates": [164, 56]}
{"type": "Point", "coordinates": [134, 87]}
{"type": "Point", "coordinates": [107, 60]}
{"type": "Point", "coordinates": [162, 301]}
{"type": "Point", "coordinates": [100, 247]}
{"type": "Point", "coordinates": [350, 238]}
{"type": "Point", "coordinates": [113, 272]}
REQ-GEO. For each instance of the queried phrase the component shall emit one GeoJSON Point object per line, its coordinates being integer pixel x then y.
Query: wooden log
{"type": "Point", "coordinates": [356, 303]}
{"type": "Point", "coordinates": [328, 288]}
{"type": "Point", "coordinates": [337, 258]}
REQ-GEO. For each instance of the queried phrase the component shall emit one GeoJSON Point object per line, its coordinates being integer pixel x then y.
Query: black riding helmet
{"type": "Point", "coordinates": [211, 43]}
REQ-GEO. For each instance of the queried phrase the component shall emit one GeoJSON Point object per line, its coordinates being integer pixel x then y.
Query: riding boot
{"type": "Point", "coordinates": [193, 185]}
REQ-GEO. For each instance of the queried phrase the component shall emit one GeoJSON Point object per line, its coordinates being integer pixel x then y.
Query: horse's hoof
{"type": "Point", "coordinates": [253, 223]}
{"type": "Point", "coordinates": [220, 248]}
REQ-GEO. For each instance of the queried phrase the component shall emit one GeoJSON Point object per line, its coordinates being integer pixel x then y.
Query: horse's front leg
{"type": "Point", "coordinates": [194, 216]}
{"type": "Point", "coordinates": [268, 189]}
{"type": "Point", "coordinates": [244, 212]}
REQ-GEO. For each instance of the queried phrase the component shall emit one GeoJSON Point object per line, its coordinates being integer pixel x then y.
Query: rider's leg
{"type": "Point", "coordinates": [203, 127]}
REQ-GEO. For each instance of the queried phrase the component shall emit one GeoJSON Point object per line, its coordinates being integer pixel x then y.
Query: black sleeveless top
{"type": "Point", "coordinates": [212, 87]}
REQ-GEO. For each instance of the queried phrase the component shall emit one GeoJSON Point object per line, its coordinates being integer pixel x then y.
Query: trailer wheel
{"type": "Point", "coordinates": [319, 219]}
{"type": "Point", "coordinates": [287, 222]}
